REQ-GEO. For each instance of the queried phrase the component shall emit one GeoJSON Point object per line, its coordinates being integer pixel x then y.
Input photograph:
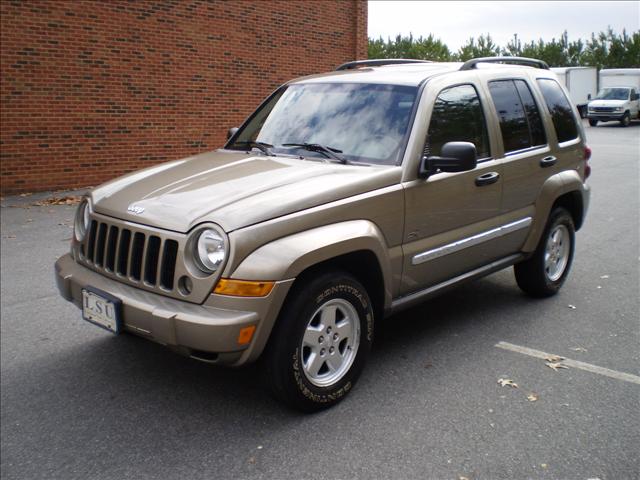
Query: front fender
{"type": "Point", "coordinates": [287, 257]}
{"type": "Point", "coordinates": [552, 189]}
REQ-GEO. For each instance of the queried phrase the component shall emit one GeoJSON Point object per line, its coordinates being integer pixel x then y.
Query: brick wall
{"type": "Point", "coordinates": [90, 90]}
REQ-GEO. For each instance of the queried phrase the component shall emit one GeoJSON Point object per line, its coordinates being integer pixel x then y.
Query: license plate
{"type": "Point", "coordinates": [102, 309]}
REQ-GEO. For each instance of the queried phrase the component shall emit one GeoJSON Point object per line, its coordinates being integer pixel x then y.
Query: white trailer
{"type": "Point", "coordinates": [581, 82]}
{"type": "Point", "coordinates": [618, 98]}
{"type": "Point", "coordinates": [620, 77]}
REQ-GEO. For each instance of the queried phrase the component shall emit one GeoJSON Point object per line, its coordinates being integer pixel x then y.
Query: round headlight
{"type": "Point", "coordinates": [210, 250]}
{"type": "Point", "coordinates": [82, 220]}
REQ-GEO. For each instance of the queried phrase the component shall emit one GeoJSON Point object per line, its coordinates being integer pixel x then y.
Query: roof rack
{"type": "Point", "coordinates": [376, 62]}
{"type": "Point", "coordinates": [531, 62]}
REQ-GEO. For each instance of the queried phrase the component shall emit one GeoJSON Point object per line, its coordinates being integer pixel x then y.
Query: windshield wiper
{"type": "Point", "coordinates": [264, 147]}
{"type": "Point", "coordinates": [330, 152]}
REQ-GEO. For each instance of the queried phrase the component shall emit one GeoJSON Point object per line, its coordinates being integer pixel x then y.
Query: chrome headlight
{"type": "Point", "coordinates": [82, 220]}
{"type": "Point", "coordinates": [619, 109]}
{"type": "Point", "coordinates": [210, 250]}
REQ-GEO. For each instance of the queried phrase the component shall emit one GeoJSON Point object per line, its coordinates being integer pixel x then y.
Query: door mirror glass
{"type": "Point", "coordinates": [455, 157]}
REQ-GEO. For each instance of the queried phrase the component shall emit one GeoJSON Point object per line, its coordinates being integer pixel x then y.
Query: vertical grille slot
{"type": "Point", "coordinates": [151, 262]}
{"type": "Point", "coordinates": [123, 252]}
{"type": "Point", "coordinates": [112, 242]}
{"type": "Point", "coordinates": [168, 267]}
{"type": "Point", "coordinates": [91, 242]}
{"type": "Point", "coordinates": [102, 238]}
{"type": "Point", "coordinates": [137, 250]}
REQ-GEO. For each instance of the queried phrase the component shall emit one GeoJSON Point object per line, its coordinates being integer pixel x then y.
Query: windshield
{"type": "Point", "coordinates": [360, 122]}
{"type": "Point", "coordinates": [613, 94]}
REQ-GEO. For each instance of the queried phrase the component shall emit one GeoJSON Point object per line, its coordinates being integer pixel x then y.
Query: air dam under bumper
{"type": "Point", "coordinates": [200, 331]}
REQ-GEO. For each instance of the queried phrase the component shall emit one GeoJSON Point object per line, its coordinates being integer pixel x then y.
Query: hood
{"type": "Point", "coordinates": [607, 103]}
{"type": "Point", "coordinates": [232, 189]}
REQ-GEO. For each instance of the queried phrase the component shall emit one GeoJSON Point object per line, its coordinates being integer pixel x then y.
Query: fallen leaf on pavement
{"type": "Point", "coordinates": [532, 397]}
{"type": "Point", "coordinates": [555, 366]}
{"type": "Point", "coordinates": [68, 200]}
{"type": "Point", "coordinates": [505, 382]}
{"type": "Point", "coordinates": [554, 358]}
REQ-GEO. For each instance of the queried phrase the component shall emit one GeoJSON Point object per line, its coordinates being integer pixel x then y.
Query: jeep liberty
{"type": "Point", "coordinates": [344, 198]}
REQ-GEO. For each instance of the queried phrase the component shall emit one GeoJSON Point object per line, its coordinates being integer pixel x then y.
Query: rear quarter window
{"type": "Point", "coordinates": [560, 109]}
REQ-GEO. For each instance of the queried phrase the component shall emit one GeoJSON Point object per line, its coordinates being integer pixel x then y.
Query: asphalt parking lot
{"type": "Point", "coordinates": [78, 403]}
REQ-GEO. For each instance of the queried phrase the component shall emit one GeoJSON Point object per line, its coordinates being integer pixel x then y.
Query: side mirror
{"type": "Point", "coordinates": [232, 131]}
{"type": "Point", "coordinates": [589, 97]}
{"type": "Point", "coordinates": [454, 157]}
{"type": "Point", "coordinates": [635, 96]}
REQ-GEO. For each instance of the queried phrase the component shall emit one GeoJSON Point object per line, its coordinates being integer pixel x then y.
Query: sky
{"type": "Point", "coordinates": [454, 22]}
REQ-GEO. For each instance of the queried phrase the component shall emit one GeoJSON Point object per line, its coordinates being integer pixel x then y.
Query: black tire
{"type": "Point", "coordinates": [533, 275]}
{"type": "Point", "coordinates": [593, 122]}
{"type": "Point", "coordinates": [626, 120]}
{"type": "Point", "coordinates": [285, 357]}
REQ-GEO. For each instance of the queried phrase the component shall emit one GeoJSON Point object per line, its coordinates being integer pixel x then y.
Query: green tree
{"type": "Point", "coordinates": [484, 47]}
{"type": "Point", "coordinates": [603, 50]}
{"type": "Point", "coordinates": [429, 48]}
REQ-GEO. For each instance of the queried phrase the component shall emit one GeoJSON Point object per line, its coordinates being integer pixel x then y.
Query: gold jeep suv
{"type": "Point", "coordinates": [345, 197]}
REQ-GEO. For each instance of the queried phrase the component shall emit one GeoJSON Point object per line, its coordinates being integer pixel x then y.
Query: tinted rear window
{"type": "Point", "coordinates": [561, 112]}
{"type": "Point", "coordinates": [536, 130]}
{"type": "Point", "coordinates": [513, 120]}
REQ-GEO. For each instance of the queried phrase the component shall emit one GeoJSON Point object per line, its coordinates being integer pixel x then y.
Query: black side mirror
{"type": "Point", "coordinates": [589, 96]}
{"type": "Point", "coordinates": [232, 131]}
{"type": "Point", "coordinates": [454, 157]}
{"type": "Point", "coordinates": [636, 96]}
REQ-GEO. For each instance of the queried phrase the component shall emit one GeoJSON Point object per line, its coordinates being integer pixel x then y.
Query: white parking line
{"type": "Point", "coordinates": [627, 377]}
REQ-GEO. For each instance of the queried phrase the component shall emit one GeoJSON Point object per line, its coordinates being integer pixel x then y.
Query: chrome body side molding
{"type": "Point", "coordinates": [471, 241]}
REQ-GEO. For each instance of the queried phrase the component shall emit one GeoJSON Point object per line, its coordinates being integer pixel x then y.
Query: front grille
{"type": "Point", "coordinates": [136, 256]}
{"type": "Point", "coordinates": [603, 109]}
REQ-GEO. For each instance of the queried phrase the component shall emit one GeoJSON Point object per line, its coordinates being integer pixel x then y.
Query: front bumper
{"type": "Point", "coordinates": [205, 332]}
{"type": "Point", "coordinates": [605, 117]}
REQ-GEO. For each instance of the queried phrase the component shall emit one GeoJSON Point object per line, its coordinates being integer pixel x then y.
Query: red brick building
{"type": "Point", "coordinates": [90, 90]}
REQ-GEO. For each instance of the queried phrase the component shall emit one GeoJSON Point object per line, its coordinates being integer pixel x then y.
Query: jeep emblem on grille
{"type": "Point", "coordinates": [135, 209]}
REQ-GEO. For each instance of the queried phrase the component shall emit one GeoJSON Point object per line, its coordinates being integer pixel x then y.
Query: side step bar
{"type": "Point", "coordinates": [412, 299]}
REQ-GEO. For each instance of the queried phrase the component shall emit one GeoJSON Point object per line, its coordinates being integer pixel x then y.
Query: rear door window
{"type": "Point", "coordinates": [512, 116]}
{"type": "Point", "coordinates": [561, 111]}
{"type": "Point", "coordinates": [536, 130]}
{"type": "Point", "coordinates": [457, 117]}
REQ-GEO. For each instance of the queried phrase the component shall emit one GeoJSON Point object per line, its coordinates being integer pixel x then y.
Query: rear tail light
{"type": "Point", "coordinates": [587, 167]}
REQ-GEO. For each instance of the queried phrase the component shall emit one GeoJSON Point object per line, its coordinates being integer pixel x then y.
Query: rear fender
{"type": "Point", "coordinates": [554, 187]}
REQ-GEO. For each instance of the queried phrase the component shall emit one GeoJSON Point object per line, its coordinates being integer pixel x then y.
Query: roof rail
{"type": "Point", "coordinates": [531, 62]}
{"type": "Point", "coordinates": [376, 62]}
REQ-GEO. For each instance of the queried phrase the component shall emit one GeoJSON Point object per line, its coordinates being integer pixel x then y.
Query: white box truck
{"type": "Point", "coordinates": [618, 98]}
{"type": "Point", "coordinates": [581, 82]}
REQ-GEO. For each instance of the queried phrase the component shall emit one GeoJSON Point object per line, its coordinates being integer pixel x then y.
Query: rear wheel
{"type": "Point", "coordinates": [321, 342]}
{"type": "Point", "coordinates": [543, 274]}
{"type": "Point", "coordinates": [626, 120]}
{"type": "Point", "coordinates": [593, 122]}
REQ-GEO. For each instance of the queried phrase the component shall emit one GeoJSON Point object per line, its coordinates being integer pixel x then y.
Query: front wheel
{"type": "Point", "coordinates": [545, 271]}
{"type": "Point", "coordinates": [593, 122]}
{"type": "Point", "coordinates": [321, 342]}
{"type": "Point", "coordinates": [626, 120]}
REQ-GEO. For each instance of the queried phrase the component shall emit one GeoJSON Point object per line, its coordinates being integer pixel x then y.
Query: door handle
{"type": "Point", "coordinates": [548, 161]}
{"type": "Point", "coordinates": [487, 179]}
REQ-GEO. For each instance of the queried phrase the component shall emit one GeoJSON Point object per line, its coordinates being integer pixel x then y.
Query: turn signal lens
{"type": "Point", "coordinates": [243, 288]}
{"type": "Point", "coordinates": [246, 334]}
